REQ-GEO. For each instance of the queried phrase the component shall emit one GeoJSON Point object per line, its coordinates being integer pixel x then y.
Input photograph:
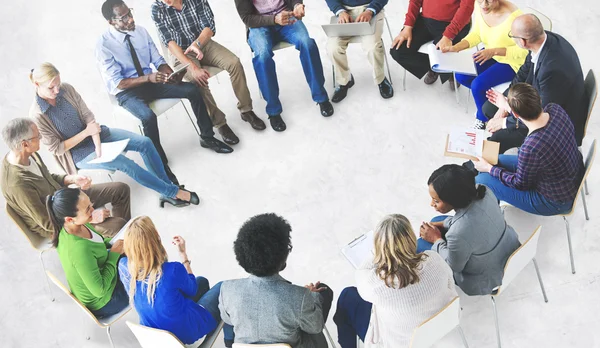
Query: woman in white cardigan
{"type": "Point", "coordinates": [396, 291]}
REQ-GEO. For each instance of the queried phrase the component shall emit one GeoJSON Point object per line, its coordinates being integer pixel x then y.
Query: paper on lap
{"type": "Point", "coordinates": [110, 151]}
{"type": "Point", "coordinates": [360, 250]}
{"type": "Point", "coordinates": [458, 62]}
{"type": "Point", "coordinates": [121, 233]}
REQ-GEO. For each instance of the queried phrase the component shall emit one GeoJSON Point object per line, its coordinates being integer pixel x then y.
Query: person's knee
{"type": "Point", "coordinates": [202, 283]}
{"type": "Point", "coordinates": [347, 294]}
{"type": "Point", "coordinates": [191, 90]}
{"type": "Point", "coordinates": [335, 46]}
{"type": "Point", "coordinates": [147, 116]}
{"type": "Point", "coordinates": [479, 86]}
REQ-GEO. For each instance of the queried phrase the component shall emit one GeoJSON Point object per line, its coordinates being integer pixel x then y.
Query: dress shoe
{"type": "Point", "coordinates": [385, 89]}
{"type": "Point", "coordinates": [228, 135]}
{"type": "Point", "coordinates": [326, 108]}
{"type": "Point", "coordinates": [215, 145]}
{"type": "Point", "coordinates": [342, 90]}
{"type": "Point", "coordinates": [254, 121]}
{"type": "Point", "coordinates": [194, 199]}
{"type": "Point", "coordinates": [451, 81]}
{"type": "Point", "coordinates": [172, 201]}
{"type": "Point", "coordinates": [277, 123]}
{"type": "Point", "coordinates": [479, 125]}
{"type": "Point", "coordinates": [171, 176]}
{"type": "Point", "coordinates": [431, 77]}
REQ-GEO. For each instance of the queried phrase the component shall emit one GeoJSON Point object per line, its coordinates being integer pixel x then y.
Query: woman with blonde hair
{"type": "Point", "coordinates": [165, 294]}
{"type": "Point", "coordinates": [71, 132]}
{"type": "Point", "coordinates": [395, 292]}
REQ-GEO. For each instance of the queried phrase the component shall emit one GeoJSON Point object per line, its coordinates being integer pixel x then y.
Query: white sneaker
{"type": "Point", "coordinates": [478, 124]}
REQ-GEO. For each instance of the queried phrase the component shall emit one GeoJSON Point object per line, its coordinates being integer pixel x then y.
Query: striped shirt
{"type": "Point", "coordinates": [183, 26]}
{"type": "Point", "coordinates": [549, 161]}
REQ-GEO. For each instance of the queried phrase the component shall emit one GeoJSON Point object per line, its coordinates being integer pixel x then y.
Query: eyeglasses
{"type": "Point", "coordinates": [515, 37]}
{"type": "Point", "coordinates": [125, 17]}
{"type": "Point", "coordinates": [39, 137]}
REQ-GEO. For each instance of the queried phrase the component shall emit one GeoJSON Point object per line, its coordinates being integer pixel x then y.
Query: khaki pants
{"type": "Point", "coordinates": [337, 46]}
{"type": "Point", "coordinates": [117, 194]}
{"type": "Point", "coordinates": [220, 57]}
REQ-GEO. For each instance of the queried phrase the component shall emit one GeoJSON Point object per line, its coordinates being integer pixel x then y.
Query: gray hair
{"type": "Point", "coordinates": [16, 131]}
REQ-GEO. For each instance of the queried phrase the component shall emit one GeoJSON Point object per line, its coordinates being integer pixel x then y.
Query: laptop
{"type": "Point", "coordinates": [335, 29]}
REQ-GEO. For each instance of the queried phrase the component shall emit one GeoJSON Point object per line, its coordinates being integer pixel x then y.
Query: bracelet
{"type": "Point", "coordinates": [188, 262]}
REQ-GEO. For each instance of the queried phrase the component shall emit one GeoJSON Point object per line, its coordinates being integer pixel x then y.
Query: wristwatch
{"type": "Point", "coordinates": [188, 262]}
{"type": "Point", "coordinates": [198, 43]}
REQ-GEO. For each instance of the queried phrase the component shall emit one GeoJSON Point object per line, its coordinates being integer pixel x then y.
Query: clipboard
{"type": "Point", "coordinates": [360, 249]}
{"type": "Point", "coordinates": [491, 149]}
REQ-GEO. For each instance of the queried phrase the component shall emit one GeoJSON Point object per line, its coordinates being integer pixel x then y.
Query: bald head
{"type": "Point", "coordinates": [529, 27]}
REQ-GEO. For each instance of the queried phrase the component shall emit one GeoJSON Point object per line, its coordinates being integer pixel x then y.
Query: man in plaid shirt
{"type": "Point", "coordinates": [186, 27]}
{"type": "Point", "coordinates": [544, 178]}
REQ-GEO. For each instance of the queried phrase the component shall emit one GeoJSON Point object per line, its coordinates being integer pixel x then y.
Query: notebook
{"type": "Point", "coordinates": [458, 62]}
{"type": "Point", "coordinates": [360, 250]}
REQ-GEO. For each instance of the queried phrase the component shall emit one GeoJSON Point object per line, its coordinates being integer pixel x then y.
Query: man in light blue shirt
{"type": "Point", "coordinates": [124, 54]}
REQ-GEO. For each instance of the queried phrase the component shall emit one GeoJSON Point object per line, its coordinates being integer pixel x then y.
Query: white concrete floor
{"type": "Point", "coordinates": [333, 178]}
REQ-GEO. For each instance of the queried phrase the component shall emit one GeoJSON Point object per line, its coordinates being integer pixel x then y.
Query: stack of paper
{"type": "Point", "coordinates": [110, 151]}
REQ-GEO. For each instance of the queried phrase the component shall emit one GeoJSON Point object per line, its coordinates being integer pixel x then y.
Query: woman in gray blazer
{"type": "Point", "coordinates": [477, 240]}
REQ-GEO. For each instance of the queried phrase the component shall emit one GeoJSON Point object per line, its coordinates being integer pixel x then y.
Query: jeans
{"type": "Point", "coordinates": [136, 100]}
{"type": "Point", "coordinates": [154, 178]}
{"type": "Point", "coordinates": [351, 317]}
{"type": "Point", "coordinates": [118, 301]}
{"type": "Point", "coordinates": [490, 74]}
{"type": "Point", "coordinates": [530, 201]}
{"type": "Point", "coordinates": [208, 298]}
{"type": "Point", "coordinates": [422, 244]}
{"type": "Point", "coordinates": [262, 40]}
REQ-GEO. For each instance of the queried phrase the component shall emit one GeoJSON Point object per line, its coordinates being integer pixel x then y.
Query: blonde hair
{"type": "Point", "coordinates": [44, 73]}
{"type": "Point", "coordinates": [145, 256]}
{"type": "Point", "coordinates": [396, 259]}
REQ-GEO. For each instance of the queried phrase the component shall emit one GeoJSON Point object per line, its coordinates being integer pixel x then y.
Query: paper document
{"type": "Point", "coordinates": [178, 70]}
{"type": "Point", "coordinates": [360, 250]}
{"type": "Point", "coordinates": [459, 62]}
{"type": "Point", "coordinates": [121, 233]}
{"type": "Point", "coordinates": [110, 151]}
{"type": "Point", "coordinates": [466, 141]}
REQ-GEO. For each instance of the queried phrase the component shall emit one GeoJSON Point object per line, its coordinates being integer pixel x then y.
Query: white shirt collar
{"type": "Point", "coordinates": [119, 35]}
{"type": "Point", "coordinates": [535, 56]}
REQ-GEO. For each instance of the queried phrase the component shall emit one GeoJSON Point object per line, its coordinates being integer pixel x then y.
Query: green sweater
{"type": "Point", "coordinates": [90, 268]}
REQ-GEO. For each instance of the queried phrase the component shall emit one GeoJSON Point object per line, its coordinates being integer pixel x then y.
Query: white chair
{"type": "Point", "coordinates": [282, 345]}
{"type": "Point", "coordinates": [104, 322]}
{"type": "Point", "coordinates": [438, 326]}
{"type": "Point", "coordinates": [156, 338]}
{"type": "Point", "coordinates": [519, 259]}
{"type": "Point", "coordinates": [39, 243]}
{"type": "Point", "coordinates": [591, 92]}
{"type": "Point", "coordinates": [356, 39]}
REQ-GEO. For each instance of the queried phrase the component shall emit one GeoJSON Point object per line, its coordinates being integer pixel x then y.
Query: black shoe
{"type": "Point", "coordinates": [172, 201]}
{"type": "Point", "coordinates": [385, 89]}
{"type": "Point", "coordinates": [194, 199]}
{"type": "Point", "coordinates": [215, 145]}
{"type": "Point", "coordinates": [171, 176]}
{"type": "Point", "coordinates": [326, 108]}
{"type": "Point", "coordinates": [341, 91]}
{"type": "Point", "coordinates": [277, 123]}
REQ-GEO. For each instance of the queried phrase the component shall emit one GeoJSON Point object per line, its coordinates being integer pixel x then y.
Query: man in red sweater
{"type": "Point", "coordinates": [446, 22]}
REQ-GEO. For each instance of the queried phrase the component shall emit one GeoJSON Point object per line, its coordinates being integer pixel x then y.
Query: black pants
{"type": "Point", "coordinates": [509, 137]}
{"type": "Point", "coordinates": [136, 100]}
{"type": "Point", "coordinates": [424, 30]}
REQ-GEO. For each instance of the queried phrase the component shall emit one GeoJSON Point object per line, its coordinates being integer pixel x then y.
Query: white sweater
{"type": "Point", "coordinates": [397, 312]}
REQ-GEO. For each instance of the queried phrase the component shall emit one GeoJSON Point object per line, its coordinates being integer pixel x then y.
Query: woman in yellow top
{"type": "Point", "coordinates": [500, 60]}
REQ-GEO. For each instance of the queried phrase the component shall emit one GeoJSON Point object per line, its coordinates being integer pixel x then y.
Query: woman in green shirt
{"type": "Point", "coordinates": [89, 261]}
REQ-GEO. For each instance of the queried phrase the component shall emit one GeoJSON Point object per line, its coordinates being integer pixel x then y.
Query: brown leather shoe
{"type": "Point", "coordinates": [431, 77]}
{"type": "Point", "coordinates": [254, 121]}
{"type": "Point", "coordinates": [228, 135]}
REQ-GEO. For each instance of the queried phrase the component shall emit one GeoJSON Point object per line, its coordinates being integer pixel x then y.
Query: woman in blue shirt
{"type": "Point", "coordinates": [167, 295]}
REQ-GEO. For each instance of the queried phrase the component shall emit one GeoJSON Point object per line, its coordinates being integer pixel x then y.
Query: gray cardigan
{"type": "Point", "coordinates": [478, 244]}
{"type": "Point", "coordinates": [272, 310]}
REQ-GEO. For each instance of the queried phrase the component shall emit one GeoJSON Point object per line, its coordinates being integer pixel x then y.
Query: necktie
{"type": "Point", "coordinates": [134, 57]}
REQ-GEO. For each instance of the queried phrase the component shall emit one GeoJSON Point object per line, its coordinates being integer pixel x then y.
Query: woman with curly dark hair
{"type": "Point", "coordinates": [265, 308]}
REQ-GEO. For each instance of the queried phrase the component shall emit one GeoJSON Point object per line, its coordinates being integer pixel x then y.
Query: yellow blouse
{"type": "Point", "coordinates": [497, 37]}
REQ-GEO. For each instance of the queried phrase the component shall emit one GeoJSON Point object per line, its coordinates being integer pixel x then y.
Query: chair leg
{"type": "Point", "coordinates": [585, 187]}
{"type": "Point", "coordinates": [333, 73]}
{"type": "Point", "coordinates": [387, 64]}
{"type": "Point", "coordinates": [456, 88]}
{"type": "Point", "coordinates": [462, 336]}
{"type": "Point", "coordinates": [190, 117]}
{"type": "Point", "coordinates": [46, 276]}
{"type": "Point", "coordinates": [110, 177]}
{"type": "Point", "coordinates": [329, 338]}
{"type": "Point", "coordinates": [570, 246]}
{"type": "Point", "coordinates": [141, 129]}
{"type": "Point", "coordinates": [537, 270]}
{"type": "Point", "coordinates": [496, 320]}
{"type": "Point", "coordinates": [112, 345]}
{"type": "Point", "coordinates": [404, 81]}
{"type": "Point", "coordinates": [587, 217]}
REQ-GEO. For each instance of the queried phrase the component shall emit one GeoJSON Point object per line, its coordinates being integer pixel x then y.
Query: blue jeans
{"type": "Point", "coordinates": [262, 40]}
{"type": "Point", "coordinates": [530, 201]}
{"type": "Point", "coordinates": [154, 178]}
{"type": "Point", "coordinates": [490, 74]}
{"type": "Point", "coordinates": [422, 244]}
{"type": "Point", "coordinates": [208, 298]}
{"type": "Point", "coordinates": [351, 317]}
{"type": "Point", "coordinates": [118, 301]}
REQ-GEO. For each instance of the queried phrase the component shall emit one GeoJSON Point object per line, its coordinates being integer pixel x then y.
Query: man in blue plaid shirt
{"type": "Point", "coordinates": [186, 27]}
{"type": "Point", "coordinates": [545, 177]}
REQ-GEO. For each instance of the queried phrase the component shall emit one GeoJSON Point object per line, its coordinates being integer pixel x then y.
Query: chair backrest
{"type": "Point", "coordinates": [273, 345]}
{"type": "Point", "coordinates": [546, 22]}
{"type": "Point", "coordinates": [68, 293]}
{"type": "Point", "coordinates": [35, 240]}
{"type": "Point", "coordinates": [587, 164]}
{"type": "Point", "coordinates": [519, 259]}
{"type": "Point", "coordinates": [436, 327]}
{"type": "Point", "coordinates": [591, 92]}
{"type": "Point", "coordinates": [154, 338]}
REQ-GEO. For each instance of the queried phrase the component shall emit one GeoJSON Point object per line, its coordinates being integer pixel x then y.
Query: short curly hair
{"type": "Point", "coordinates": [263, 244]}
